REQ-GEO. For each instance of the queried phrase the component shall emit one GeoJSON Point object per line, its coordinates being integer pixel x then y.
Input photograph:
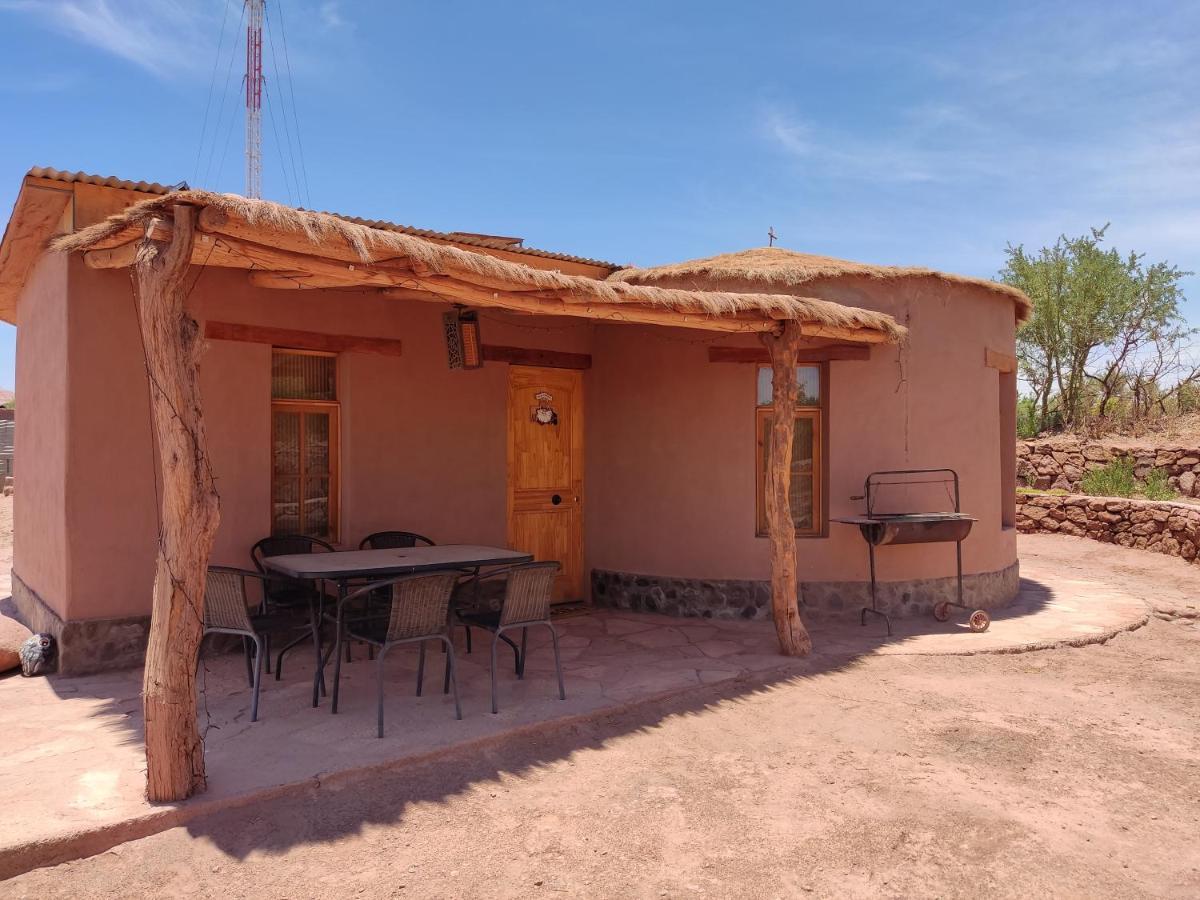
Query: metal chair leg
{"type": "Point", "coordinates": [279, 660]}
{"type": "Point", "coordinates": [420, 668]}
{"type": "Point", "coordinates": [562, 690]}
{"type": "Point", "coordinates": [337, 666]}
{"type": "Point", "coordinates": [521, 661]}
{"type": "Point", "coordinates": [468, 627]}
{"type": "Point", "coordinates": [314, 624]}
{"type": "Point", "coordinates": [452, 675]}
{"type": "Point", "coordinates": [379, 679]}
{"type": "Point", "coordinates": [260, 651]}
{"type": "Point", "coordinates": [495, 644]}
{"type": "Point", "coordinates": [249, 663]}
{"type": "Point", "coordinates": [515, 650]}
{"type": "Point", "coordinates": [267, 645]}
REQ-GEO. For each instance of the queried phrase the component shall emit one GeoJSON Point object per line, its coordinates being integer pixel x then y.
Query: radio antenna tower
{"type": "Point", "coordinates": [254, 93]}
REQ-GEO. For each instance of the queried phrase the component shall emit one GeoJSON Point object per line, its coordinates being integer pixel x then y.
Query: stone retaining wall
{"type": "Point", "coordinates": [1060, 463]}
{"type": "Point", "coordinates": [1170, 528]}
{"type": "Point", "coordinates": [820, 600]}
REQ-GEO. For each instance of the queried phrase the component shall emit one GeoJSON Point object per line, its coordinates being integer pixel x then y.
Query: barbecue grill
{"type": "Point", "coordinates": [880, 529]}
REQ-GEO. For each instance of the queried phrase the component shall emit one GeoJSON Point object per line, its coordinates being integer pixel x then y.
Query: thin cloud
{"type": "Point", "coordinates": [164, 37]}
{"type": "Point", "coordinates": [900, 157]}
{"type": "Point", "coordinates": [331, 14]}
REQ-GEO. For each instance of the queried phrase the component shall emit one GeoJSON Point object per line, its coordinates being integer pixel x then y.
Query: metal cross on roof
{"type": "Point", "coordinates": [771, 238]}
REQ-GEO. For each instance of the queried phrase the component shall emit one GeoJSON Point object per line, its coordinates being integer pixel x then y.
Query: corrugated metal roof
{"type": "Point", "coordinates": [105, 181]}
{"type": "Point", "coordinates": [471, 239]}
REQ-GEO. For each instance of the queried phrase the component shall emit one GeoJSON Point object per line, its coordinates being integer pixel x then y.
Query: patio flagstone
{"type": "Point", "coordinates": [73, 768]}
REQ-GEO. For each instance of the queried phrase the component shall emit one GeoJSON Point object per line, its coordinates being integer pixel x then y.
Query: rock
{"type": "Point", "coordinates": [1098, 454]}
{"type": "Point", "coordinates": [12, 635]}
{"type": "Point", "coordinates": [1187, 484]}
{"type": "Point", "coordinates": [1187, 461]}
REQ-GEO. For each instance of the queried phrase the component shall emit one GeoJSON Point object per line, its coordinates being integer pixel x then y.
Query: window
{"type": "Point", "coordinates": [304, 443]}
{"type": "Point", "coordinates": [807, 473]}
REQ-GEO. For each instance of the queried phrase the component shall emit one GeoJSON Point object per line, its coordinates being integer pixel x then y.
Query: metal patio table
{"type": "Point", "coordinates": [344, 566]}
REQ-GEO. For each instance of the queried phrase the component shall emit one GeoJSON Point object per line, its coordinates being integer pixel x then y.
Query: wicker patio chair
{"type": "Point", "coordinates": [227, 611]}
{"type": "Point", "coordinates": [388, 540]}
{"type": "Point", "coordinates": [391, 540]}
{"type": "Point", "coordinates": [283, 593]}
{"type": "Point", "coordinates": [420, 612]}
{"type": "Point", "coordinates": [527, 592]}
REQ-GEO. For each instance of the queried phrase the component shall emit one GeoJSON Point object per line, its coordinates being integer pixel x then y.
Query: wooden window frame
{"type": "Point", "coordinates": [332, 408]}
{"type": "Point", "coordinates": [819, 415]}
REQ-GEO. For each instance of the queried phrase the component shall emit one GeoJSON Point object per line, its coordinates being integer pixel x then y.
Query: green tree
{"type": "Point", "coordinates": [1094, 311]}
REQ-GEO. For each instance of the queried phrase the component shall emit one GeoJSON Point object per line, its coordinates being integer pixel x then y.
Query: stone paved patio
{"type": "Point", "coordinates": [71, 776]}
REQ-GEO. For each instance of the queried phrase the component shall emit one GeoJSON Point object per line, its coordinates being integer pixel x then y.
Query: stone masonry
{"type": "Point", "coordinates": [1060, 463]}
{"type": "Point", "coordinates": [819, 600]}
{"type": "Point", "coordinates": [1163, 527]}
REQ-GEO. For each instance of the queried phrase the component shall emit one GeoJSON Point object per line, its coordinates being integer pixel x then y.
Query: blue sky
{"type": "Point", "coordinates": [911, 133]}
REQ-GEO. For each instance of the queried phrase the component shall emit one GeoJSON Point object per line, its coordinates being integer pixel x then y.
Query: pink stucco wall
{"type": "Point", "coordinates": [423, 447]}
{"type": "Point", "coordinates": [39, 509]}
{"type": "Point", "coordinates": [672, 443]}
{"type": "Point", "coordinates": [670, 436]}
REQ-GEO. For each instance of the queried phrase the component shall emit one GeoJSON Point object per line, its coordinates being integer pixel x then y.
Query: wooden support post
{"type": "Point", "coordinates": [781, 528]}
{"type": "Point", "coordinates": [189, 516]}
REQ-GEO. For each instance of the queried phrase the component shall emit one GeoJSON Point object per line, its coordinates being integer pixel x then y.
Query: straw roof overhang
{"type": "Point", "coordinates": [286, 248]}
{"type": "Point", "coordinates": [512, 245]}
{"type": "Point", "coordinates": [769, 268]}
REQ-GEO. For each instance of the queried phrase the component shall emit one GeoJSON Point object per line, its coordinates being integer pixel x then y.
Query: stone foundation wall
{"type": "Point", "coordinates": [1170, 528]}
{"type": "Point", "coordinates": [716, 599]}
{"type": "Point", "coordinates": [1059, 464]}
{"type": "Point", "coordinates": [88, 645]}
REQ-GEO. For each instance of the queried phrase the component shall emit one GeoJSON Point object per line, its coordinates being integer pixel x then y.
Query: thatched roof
{"type": "Point", "coordinates": [330, 236]}
{"type": "Point", "coordinates": [769, 268]}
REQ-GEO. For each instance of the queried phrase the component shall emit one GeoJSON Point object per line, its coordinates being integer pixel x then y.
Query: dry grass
{"type": "Point", "coordinates": [371, 244]}
{"type": "Point", "coordinates": [773, 267]}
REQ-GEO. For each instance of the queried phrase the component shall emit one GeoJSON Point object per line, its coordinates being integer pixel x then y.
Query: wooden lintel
{"type": "Point", "coordinates": [1002, 362]}
{"type": "Point", "coordinates": [459, 292]}
{"type": "Point", "coordinates": [301, 340]}
{"type": "Point", "coordinates": [521, 356]}
{"type": "Point", "coordinates": [809, 354]}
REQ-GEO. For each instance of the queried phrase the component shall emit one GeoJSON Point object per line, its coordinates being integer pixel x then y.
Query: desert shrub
{"type": "Point", "coordinates": [1156, 487]}
{"type": "Point", "coordinates": [1027, 418]}
{"type": "Point", "coordinates": [1113, 480]}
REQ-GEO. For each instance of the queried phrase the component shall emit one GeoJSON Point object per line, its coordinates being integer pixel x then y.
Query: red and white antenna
{"type": "Point", "coordinates": [254, 93]}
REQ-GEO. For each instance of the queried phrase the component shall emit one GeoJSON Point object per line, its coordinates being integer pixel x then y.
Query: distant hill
{"type": "Point", "coordinates": [5, 396]}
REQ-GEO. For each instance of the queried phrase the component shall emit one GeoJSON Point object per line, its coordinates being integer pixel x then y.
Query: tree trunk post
{"type": "Point", "coordinates": [189, 515]}
{"type": "Point", "coordinates": [781, 528]}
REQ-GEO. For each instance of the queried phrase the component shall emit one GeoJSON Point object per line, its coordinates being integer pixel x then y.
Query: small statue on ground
{"type": "Point", "coordinates": [37, 655]}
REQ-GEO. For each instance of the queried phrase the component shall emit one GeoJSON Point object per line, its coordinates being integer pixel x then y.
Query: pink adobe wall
{"type": "Point", "coordinates": [671, 442]}
{"type": "Point", "coordinates": [111, 513]}
{"type": "Point", "coordinates": [39, 508]}
{"type": "Point", "coordinates": [670, 454]}
{"type": "Point", "coordinates": [423, 447]}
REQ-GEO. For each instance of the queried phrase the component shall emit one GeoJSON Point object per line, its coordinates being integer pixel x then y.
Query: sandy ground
{"type": "Point", "coordinates": [1069, 772]}
{"type": "Point", "coordinates": [6, 534]}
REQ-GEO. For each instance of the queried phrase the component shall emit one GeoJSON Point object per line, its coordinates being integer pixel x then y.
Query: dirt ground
{"type": "Point", "coordinates": [6, 543]}
{"type": "Point", "coordinates": [1067, 773]}
{"type": "Point", "coordinates": [6, 528]}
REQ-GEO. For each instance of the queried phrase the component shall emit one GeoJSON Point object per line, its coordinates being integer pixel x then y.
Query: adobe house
{"type": "Point", "coordinates": [616, 419]}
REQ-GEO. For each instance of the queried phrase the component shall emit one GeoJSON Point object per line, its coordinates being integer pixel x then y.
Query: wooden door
{"type": "Point", "coordinates": [545, 470]}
